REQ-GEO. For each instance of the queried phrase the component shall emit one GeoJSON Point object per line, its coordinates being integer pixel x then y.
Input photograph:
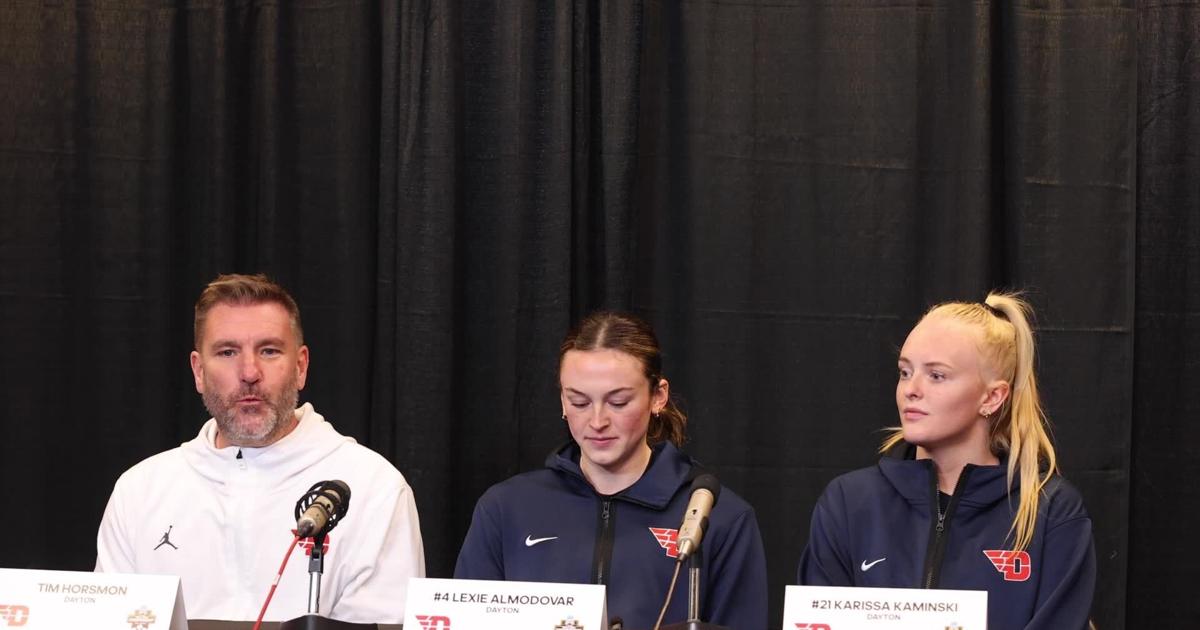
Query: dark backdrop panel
{"type": "Point", "coordinates": [781, 187]}
{"type": "Point", "coordinates": [1166, 404]}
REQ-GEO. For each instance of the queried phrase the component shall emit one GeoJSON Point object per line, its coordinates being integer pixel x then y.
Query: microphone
{"type": "Point", "coordinates": [705, 490]}
{"type": "Point", "coordinates": [320, 509]}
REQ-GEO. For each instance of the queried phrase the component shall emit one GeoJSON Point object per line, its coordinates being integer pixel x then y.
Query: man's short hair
{"type": "Point", "coordinates": [244, 290]}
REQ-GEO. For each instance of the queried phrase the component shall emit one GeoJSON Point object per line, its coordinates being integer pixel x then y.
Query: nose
{"type": "Point", "coordinates": [250, 370]}
{"type": "Point", "coordinates": [910, 389]}
{"type": "Point", "coordinates": [598, 419]}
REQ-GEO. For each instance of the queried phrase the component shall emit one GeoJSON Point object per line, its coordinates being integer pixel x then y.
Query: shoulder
{"type": "Point", "coordinates": [862, 481]}
{"type": "Point", "coordinates": [1062, 502]}
{"type": "Point", "coordinates": [161, 467]}
{"type": "Point", "coordinates": [322, 447]}
{"type": "Point", "coordinates": [367, 460]}
{"type": "Point", "coordinates": [535, 485]}
{"type": "Point", "coordinates": [730, 506]}
{"type": "Point", "coordinates": [365, 470]}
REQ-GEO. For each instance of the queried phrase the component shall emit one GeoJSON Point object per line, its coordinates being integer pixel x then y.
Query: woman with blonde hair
{"type": "Point", "coordinates": [968, 494]}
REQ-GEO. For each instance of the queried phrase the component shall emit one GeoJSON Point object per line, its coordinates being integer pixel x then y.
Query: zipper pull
{"type": "Point", "coordinates": [941, 526]}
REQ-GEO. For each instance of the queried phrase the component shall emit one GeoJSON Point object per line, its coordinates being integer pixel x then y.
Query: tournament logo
{"type": "Point", "coordinates": [667, 539]}
{"type": "Point", "coordinates": [141, 619]}
{"type": "Point", "coordinates": [570, 623]}
{"type": "Point", "coordinates": [430, 622]}
{"type": "Point", "coordinates": [14, 614]}
{"type": "Point", "coordinates": [1015, 565]}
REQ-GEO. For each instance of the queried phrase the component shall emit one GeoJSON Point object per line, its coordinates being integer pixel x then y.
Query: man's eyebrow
{"type": "Point", "coordinates": [230, 343]}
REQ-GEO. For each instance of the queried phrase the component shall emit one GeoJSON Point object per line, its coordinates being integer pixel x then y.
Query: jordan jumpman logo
{"type": "Point", "coordinates": [166, 539]}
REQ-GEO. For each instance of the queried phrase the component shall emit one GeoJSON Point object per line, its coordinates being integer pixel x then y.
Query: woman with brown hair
{"type": "Point", "coordinates": [607, 506]}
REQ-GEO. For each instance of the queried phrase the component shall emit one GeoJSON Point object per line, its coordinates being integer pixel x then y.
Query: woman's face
{"type": "Point", "coordinates": [941, 393]}
{"type": "Point", "coordinates": [608, 403]}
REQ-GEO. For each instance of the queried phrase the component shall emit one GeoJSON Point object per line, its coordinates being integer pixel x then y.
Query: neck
{"type": "Point", "coordinates": [949, 462]}
{"type": "Point", "coordinates": [609, 480]}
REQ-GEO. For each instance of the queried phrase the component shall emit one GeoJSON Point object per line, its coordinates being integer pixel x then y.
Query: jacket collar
{"type": "Point", "coordinates": [668, 471]}
{"type": "Point", "coordinates": [913, 478]}
{"type": "Point", "coordinates": [311, 441]}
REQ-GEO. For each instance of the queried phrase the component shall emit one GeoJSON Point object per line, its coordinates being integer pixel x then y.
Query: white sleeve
{"type": "Point", "coordinates": [114, 554]}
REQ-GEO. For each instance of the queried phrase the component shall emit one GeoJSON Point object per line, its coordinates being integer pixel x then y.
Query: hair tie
{"type": "Point", "coordinates": [994, 311]}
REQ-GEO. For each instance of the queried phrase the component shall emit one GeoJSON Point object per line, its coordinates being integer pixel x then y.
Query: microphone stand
{"type": "Point", "coordinates": [313, 620]}
{"type": "Point", "coordinates": [695, 564]}
{"type": "Point", "coordinates": [316, 566]}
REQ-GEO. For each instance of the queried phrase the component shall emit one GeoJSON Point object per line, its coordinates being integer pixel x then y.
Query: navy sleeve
{"type": "Point", "coordinates": [825, 561]}
{"type": "Point", "coordinates": [482, 554]}
{"type": "Point", "coordinates": [1068, 581]}
{"type": "Point", "coordinates": [737, 591]}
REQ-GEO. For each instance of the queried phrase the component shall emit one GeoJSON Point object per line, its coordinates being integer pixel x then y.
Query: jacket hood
{"type": "Point", "coordinates": [914, 478]}
{"type": "Point", "coordinates": [669, 470]}
{"type": "Point", "coordinates": [312, 440]}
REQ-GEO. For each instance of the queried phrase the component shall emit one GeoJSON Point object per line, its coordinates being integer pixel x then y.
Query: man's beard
{"type": "Point", "coordinates": [259, 431]}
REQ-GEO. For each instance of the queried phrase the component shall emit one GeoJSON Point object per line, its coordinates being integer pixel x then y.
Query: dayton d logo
{"type": "Point", "coordinates": [307, 545]}
{"type": "Point", "coordinates": [1015, 565]}
{"type": "Point", "coordinates": [14, 615]}
{"type": "Point", "coordinates": [433, 622]}
{"type": "Point", "coordinates": [667, 539]}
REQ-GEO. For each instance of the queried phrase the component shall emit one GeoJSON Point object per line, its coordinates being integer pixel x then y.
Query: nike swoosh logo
{"type": "Point", "coordinates": [531, 541]}
{"type": "Point", "coordinates": [866, 566]}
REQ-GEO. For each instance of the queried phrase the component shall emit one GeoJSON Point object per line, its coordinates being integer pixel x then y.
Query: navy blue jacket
{"type": "Point", "coordinates": [890, 511]}
{"type": "Point", "coordinates": [550, 525]}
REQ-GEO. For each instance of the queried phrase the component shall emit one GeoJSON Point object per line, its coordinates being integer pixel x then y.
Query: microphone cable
{"type": "Point", "coordinates": [670, 592]}
{"type": "Point", "coordinates": [275, 582]}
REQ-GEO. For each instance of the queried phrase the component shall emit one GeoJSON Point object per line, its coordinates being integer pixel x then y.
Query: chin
{"type": "Point", "coordinates": [915, 438]}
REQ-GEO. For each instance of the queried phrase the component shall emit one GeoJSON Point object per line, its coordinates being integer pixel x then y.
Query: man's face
{"type": "Point", "coordinates": [249, 369]}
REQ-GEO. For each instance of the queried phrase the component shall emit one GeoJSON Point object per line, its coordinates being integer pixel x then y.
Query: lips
{"type": "Point", "coordinates": [913, 413]}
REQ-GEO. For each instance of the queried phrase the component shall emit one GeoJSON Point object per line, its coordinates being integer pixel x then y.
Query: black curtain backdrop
{"type": "Point", "coordinates": [781, 187]}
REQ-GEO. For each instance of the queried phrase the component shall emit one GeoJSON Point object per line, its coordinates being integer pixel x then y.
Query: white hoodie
{"type": "Point", "coordinates": [222, 523]}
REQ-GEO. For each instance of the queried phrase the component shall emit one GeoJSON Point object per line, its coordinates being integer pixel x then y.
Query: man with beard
{"type": "Point", "coordinates": [225, 499]}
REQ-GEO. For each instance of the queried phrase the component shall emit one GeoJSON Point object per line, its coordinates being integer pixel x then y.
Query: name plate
{"type": "Point", "coordinates": [54, 600]}
{"type": "Point", "coordinates": [439, 604]}
{"type": "Point", "coordinates": [844, 607]}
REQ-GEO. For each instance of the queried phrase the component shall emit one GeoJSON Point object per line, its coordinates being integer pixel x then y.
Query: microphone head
{"type": "Point", "coordinates": [322, 507]}
{"type": "Point", "coordinates": [708, 482]}
{"type": "Point", "coordinates": [340, 487]}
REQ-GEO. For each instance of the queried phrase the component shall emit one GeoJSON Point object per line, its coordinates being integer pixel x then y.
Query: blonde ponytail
{"type": "Point", "coordinates": [1021, 428]}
